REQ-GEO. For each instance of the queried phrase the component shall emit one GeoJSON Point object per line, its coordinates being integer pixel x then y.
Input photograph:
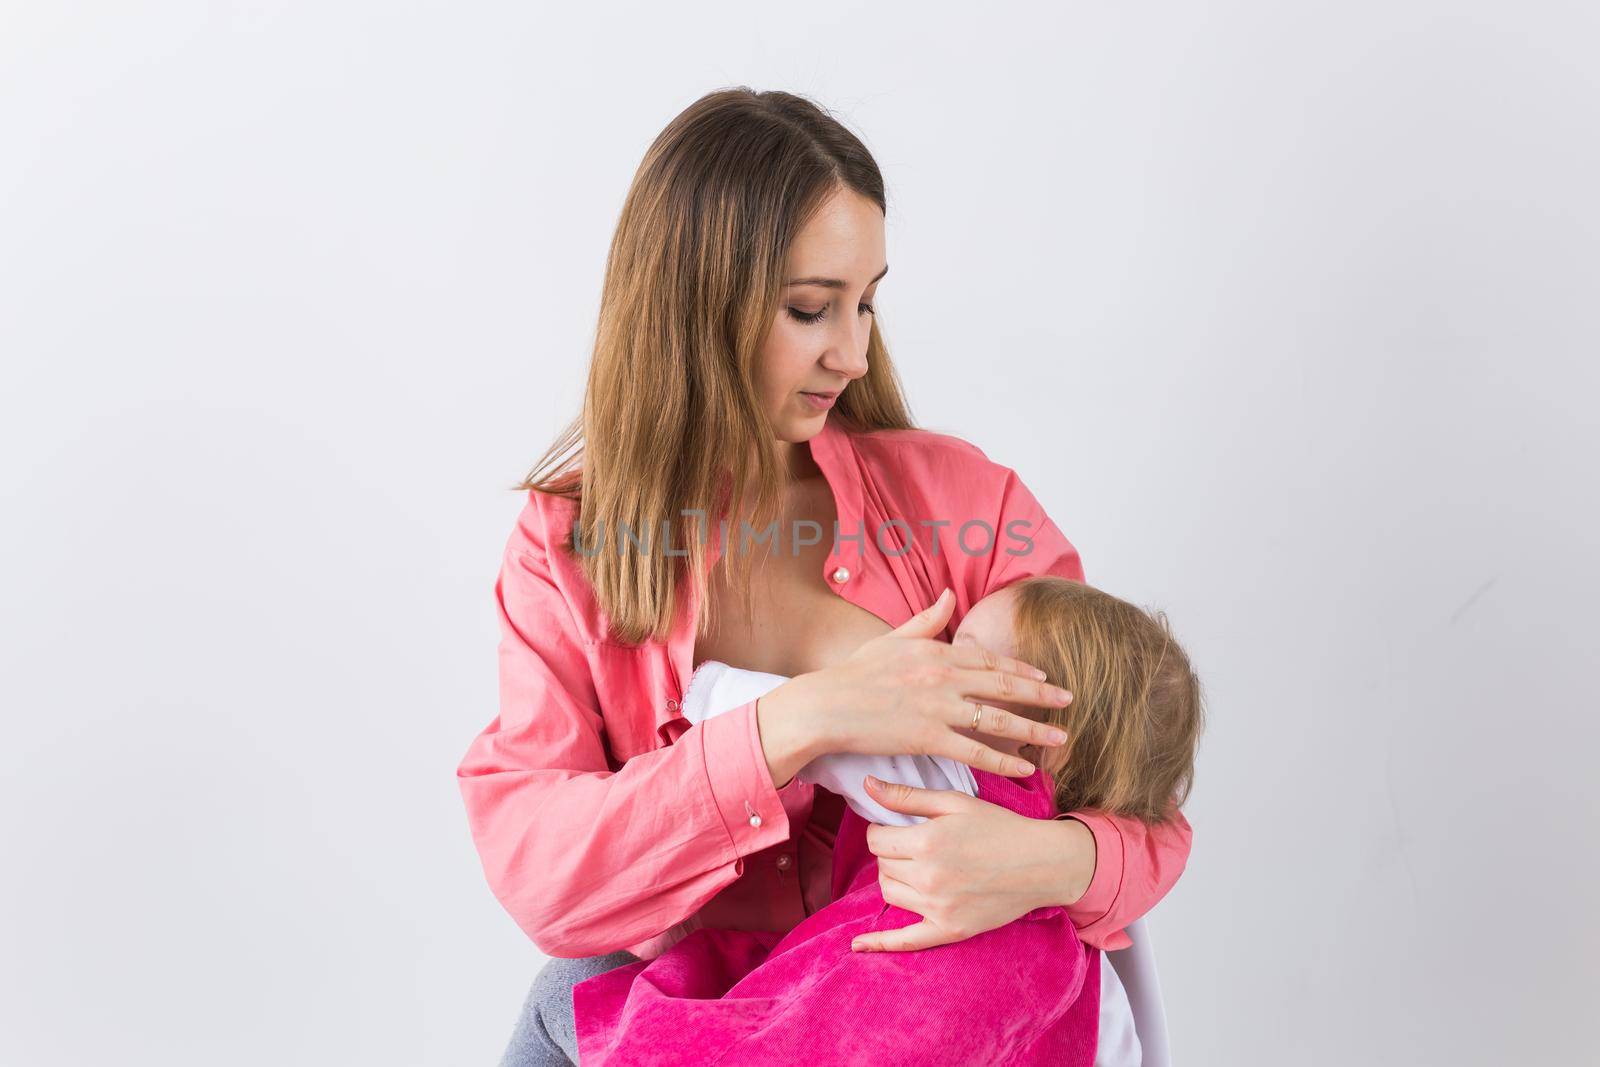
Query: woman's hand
{"type": "Point", "coordinates": [906, 693]}
{"type": "Point", "coordinates": [972, 866]}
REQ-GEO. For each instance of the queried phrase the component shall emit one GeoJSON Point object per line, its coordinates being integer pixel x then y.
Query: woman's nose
{"type": "Point", "coordinates": [848, 354]}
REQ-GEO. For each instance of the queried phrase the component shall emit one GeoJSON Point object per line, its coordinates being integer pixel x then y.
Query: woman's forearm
{"type": "Point", "coordinates": [786, 737]}
{"type": "Point", "coordinates": [1055, 861]}
{"type": "Point", "coordinates": [1075, 855]}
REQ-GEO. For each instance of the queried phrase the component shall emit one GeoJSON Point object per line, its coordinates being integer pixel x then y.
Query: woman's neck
{"type": "Point", "coordinates": [797, 460]}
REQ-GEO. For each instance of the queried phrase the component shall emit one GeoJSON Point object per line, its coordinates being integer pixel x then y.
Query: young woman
{"type": "Point", "coordinates": [745, 485]}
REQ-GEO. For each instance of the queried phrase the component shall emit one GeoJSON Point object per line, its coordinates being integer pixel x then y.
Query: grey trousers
{"type": "Point", "coordinates": [546, 1035]}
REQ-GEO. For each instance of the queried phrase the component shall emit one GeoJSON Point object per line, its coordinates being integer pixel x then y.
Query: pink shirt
{"type": "Point", "coordinates": [605, 820]}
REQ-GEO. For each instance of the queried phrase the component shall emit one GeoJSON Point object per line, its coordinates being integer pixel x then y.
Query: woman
{"type": "Point", "coordinates": [739, 383]}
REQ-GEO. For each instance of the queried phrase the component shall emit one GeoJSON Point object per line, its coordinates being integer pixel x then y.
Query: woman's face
{"type": "Point", "coordinates": [817, 344]}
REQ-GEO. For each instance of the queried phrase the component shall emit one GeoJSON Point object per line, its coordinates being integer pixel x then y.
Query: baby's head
{"type": "Point", "coordinates": [1135, 716]}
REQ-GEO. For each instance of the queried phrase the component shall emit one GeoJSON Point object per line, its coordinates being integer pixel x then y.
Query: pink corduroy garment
{"type": "Point", "coordinates": [1024, 993]}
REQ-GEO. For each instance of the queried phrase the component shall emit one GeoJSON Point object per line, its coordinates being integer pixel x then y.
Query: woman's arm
{"type": "Point", "coordinates": [1149, 858]}
{"type": "Point", "coordinates": [588, 860]}
{"type": "Point", "coordinates": [996, 865]}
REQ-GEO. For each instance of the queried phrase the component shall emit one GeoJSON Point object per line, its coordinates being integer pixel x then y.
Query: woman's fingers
{"type": "Point", "coordinates": [975, 753]}
{"type": "Point", "coordinates": [928, 622]}
{"type": "Point", "coordinates": [900, 894]}
{"type": "Point", "coordinates": [976, 657]}
{"type": "Point", "coordinates": [891, 844]}
{"type": "Point", "coordinates": [901, 869]}
{"type": "Point", "coordinates": [1010, 689]}
{"type": "Point", "coordinates": [1002, 723]}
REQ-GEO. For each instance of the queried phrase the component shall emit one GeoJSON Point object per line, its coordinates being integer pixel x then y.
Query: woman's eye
{"type": "Point", "coordinates": [809, 317]}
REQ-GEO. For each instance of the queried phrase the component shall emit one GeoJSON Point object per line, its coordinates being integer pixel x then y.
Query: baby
{"type": "Point", "coordinates": [1133, 723]}
{"type": "Point", "coordinates": [1133, 726]}
{"type": "Point", "coordinates": [1136, 715]}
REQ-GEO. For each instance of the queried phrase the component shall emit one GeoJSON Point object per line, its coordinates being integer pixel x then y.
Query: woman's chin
{"type": "Point", "coordinates": [801, 427]}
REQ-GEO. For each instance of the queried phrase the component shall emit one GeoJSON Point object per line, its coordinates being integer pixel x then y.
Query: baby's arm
{"type": "Point", "coordinates": [843, 773]}
{"type": "Point", "coordinates": [716, 688]}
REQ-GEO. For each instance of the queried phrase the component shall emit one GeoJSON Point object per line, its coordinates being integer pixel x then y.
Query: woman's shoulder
{"type": "Point", "coordinates": [930, 461]}
{"type": "Point", "coordinates": [537, 558]}
{"type": "Point", "coordinates": [918, 443]}
{"type": "Point", "coordinates": [543, 526]}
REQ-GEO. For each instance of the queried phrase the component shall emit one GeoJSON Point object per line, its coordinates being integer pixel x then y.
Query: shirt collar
{"type": "Point", "coordinates": [834, 450]}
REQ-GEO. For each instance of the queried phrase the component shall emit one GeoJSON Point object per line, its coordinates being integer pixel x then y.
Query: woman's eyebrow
{"type": "Point", "coordinates": [832, 283]}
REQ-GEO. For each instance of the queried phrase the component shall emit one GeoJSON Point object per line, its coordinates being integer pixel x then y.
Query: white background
{"type": "Point", "coordinates": [1287, 312]}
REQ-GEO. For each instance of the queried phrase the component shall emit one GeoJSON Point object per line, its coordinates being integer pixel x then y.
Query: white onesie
{"type": "Point", "coordinates": [715, 688]}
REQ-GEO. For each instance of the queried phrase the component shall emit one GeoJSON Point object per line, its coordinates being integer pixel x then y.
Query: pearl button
{"type": "Point", "coordinates": [841, 575]}
{"type": "Point", "coordinates": [755, 820]}
{"type": "Point", "coordinates": [783, 863]}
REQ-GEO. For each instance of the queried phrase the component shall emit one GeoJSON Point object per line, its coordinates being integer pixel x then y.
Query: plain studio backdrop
{"type": "Point", "coordinates": [1287, 313]}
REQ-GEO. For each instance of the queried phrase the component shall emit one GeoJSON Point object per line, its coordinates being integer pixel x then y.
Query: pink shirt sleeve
{"type": "Point", "coordinates": [1135, 863]}
{"type": "Point", "coordinates": [588, 860]}
{"type": "Point", "coordinates": [1146, 860]}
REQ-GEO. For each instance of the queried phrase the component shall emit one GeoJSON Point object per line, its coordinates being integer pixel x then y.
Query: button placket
{"type": "Point", "coordinates": [674, 724]}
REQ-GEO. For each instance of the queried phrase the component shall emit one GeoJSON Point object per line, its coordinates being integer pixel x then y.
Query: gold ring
{"type": "Point", "coordinates": [977, 713]}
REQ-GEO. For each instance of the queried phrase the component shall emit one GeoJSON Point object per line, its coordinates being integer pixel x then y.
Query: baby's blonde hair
{"type": "Point", "coordinates": [1136, 712]}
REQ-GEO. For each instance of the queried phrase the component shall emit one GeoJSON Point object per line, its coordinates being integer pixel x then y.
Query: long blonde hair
{"type": "Point", "coordinates": [1137, 708]}
{"type": "Point", "coordinates": [693, 282]}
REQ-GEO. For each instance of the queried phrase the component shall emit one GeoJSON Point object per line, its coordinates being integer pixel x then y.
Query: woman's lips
{"type": "Point", "coordinates": [820, 401]}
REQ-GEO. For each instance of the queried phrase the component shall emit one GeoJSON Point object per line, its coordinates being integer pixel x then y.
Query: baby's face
{"type": "Point", "coordinates": [988, 625]}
